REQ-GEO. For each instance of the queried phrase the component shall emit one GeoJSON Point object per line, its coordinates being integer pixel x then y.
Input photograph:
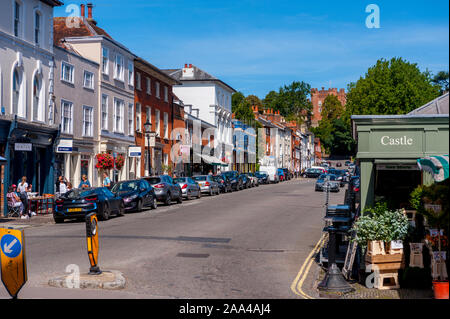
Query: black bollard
{"type": "Point", "coordinates": [334, 280]}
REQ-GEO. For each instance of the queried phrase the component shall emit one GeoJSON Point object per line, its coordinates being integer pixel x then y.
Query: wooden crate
{"type": "Point", "coordinates": [387, 258]}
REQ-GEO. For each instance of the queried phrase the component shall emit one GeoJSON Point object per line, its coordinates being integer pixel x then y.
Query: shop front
{"type": "Point", "coordinates": [388, 150]}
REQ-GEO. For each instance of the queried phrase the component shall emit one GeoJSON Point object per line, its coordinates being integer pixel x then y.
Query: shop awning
{"type": "Point", "coordinates": [437, 166]}
{"type": "Point", "coordinates": [2, 160]}
{"type": "Point", "coordinates": [212, 160]}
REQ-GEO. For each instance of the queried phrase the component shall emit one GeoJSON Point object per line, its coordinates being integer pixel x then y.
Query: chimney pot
{"type": "Point", "coordinates": [190, 66]}
{"type": "Point", "coordinates": [90, 6]}
{"type": "Point", "coordinates": [83, 14]}
{"type": "Point", "coordinates": [185, 65]}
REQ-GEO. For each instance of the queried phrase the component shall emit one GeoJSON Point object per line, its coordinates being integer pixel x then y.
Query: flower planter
{"type": "Point", "coordinates": [440, 289]}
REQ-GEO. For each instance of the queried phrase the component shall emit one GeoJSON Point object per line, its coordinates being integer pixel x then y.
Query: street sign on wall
{"type": "Point", "coordinates": [13, 260]}
{"type": "Point", "coordinates": [24, 147]}
{"type": "Point", "coordinates": [134, 151]}
{"type": "Point", "coordinates": [65, 146]}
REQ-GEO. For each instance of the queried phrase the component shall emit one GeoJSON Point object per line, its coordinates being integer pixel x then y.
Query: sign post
{"type": "Point", "coordinates": [92, 243]}
{"type": "Point", "coordinates": [13, 260]}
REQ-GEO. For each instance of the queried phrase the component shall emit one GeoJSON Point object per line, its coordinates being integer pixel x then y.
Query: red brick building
{"type": "Point", "coordinates": [154, 99]}
{"type": "Point", "coordinates": [317, 99]}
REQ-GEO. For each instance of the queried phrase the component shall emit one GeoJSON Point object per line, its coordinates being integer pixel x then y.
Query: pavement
{"type": "Point", "coordinates": [247, 244]}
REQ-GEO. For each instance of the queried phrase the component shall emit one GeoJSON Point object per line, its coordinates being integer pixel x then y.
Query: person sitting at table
{"type": "Point", "coordinates": [84, 182]}
{"type": "Point", "coordinates": [14, 200]}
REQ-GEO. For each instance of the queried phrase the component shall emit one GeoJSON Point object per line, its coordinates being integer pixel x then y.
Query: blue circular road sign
{"type": "Point", "coordinates": [10, 246]}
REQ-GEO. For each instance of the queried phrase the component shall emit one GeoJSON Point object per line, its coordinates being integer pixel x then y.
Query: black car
{"type": "Point", "coordinates": [77, 203]}
{"type": "Point", "coordinates": [166, 190]}
{"type": "Point", "coordinates": [312, 173]}
{"type": "Point", "coordinates": [235, 180]}
{"type": "Point", "coordinates": [246, 181]}
{"type": "Point", "coordinates": [136, 194]}
{"type": "Point", "coordinates": [224, 183]}
{"type": "Point", "coordinates": [263, 177]}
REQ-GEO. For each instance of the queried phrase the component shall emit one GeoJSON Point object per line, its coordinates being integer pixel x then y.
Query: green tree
{"type": "Point", "coordinates": [292, 100]}
{"type": "Point", "coordinates": [254, 100]}
{"type": "Point", "coordinates": [236, 99]}
{"type": "Point", "coordinates": [390, 87]}
{"type": "Point", "coordinates": [270, 100]}
{"type": "Point", "coordinates": [441, 79]}
{"type": "Point", "coordinates": [332, 108]}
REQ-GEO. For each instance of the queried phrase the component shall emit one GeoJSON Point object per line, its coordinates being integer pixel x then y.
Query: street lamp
{"type": "Point", "coordinates": [148, 134]}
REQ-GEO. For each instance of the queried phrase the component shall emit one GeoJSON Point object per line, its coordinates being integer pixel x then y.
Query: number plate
{"type": "Point", "coordinates": [73, 210]}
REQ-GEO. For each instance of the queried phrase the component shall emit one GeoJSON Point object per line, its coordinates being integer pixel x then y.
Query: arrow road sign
{"type": "Point", "coordinates": [11, 246]}
{"type": "Point", "coordinates": [13, 260]}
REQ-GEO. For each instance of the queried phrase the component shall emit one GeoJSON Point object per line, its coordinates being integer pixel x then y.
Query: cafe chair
{"type": "Point", "coordinates": [13, 211]}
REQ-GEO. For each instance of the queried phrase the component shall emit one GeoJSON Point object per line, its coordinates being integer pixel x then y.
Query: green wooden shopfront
{"type": "Point", "coordinates": [388, 149]}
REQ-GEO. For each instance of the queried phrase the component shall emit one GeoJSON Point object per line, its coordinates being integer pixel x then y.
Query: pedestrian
{"type": "Point", "coordinates": [62, 185]}
{"type": "Point", "coordinates": [219, 171]}
{"type": "Point", "coordinates": [210, 172]}
{"type": "Point", "coordinates": [23, 189]}
{"type": "Point", "coordinates": [14, 200]}
{"type": "Point", "coordinates": [106, 180]}
{"type": "Point", "coordinates": [84, 182]}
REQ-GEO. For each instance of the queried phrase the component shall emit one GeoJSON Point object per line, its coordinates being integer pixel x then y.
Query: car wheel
{"type": "Point", "coordinates": [211, 193]}
{"type": "Point", "coordinates": [199, 194]}
{"type": "Point", "coordinates": [58, 220]}
{"type": "Point", "coordinates": [168, 200]}
{"type": "Point", "coordinates": [188, 195]}
{"type": "Point", "coordinates": [155, 204]}
{"type": "Point", "coordinates": [139, 205]}
{"type": "Point", "coordinates": [105, 212]}
{"type": "Point", "coordinates": [180, 198]}
{"type": "Point", "coordinates": [121, 209]}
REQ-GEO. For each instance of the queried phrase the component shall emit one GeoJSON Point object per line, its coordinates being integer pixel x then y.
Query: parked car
{"type": "Point", "coordinates": [234, 179]}
{"type": "Point", "coordinates": [312, 173]}
{"type": "Point", "coordinates": [272, 172]}
{"type": "Point", "coordinates": [246, 181]}
{"type": "Point", "coordinates": [340, 175]}
{"type": "Point", "coordinates": [263, 177]}
{"type": "Point", "coordinates": [189, 187]}
{"type": "Point", "coordinates": [355, 187]}
{"type": "Point", "coordinates": [323, 169]}
{"type": "Point", "coordinates": [224, 184]}
{"type": "Point", "coordinates": [327, 178]}
{"type": "Point", "coordinates": [280, 174]}
{"type": "Point", "coordinates": [136, 194]}
{"type": "Point", "coordinates": [207, 184]}
{"type": "Point", "coordinates": [77, 203]}
{"type": "Point", "coordinates": [254, 179]}
{"type": "Point", "coordinates": [166, 190]}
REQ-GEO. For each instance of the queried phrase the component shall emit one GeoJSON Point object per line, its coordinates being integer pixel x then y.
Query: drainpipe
{"type": "Point", "coordinates": [7, 174]}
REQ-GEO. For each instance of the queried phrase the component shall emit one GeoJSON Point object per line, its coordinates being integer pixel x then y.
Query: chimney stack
{"type": "Point", "coordinates": [83, 14]}
{"type": "Point", "coordinates": [90, 6]}
{"type": "Point", "coordinates": [190, 66]}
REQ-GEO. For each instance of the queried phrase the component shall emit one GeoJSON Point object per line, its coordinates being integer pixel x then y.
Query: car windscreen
{"type": "Point", "coordinates": [153, 180]}
{"type": "Point", "coordinates": [126, 186]}
{"type": "Point", "coordinates": [179, 180]}
{"type": "Point", "coordinates": [199, 178]}
{"type": "Point", "coordinates": [79, 193]}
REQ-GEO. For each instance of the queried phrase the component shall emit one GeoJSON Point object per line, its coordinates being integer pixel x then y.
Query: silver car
{"type": "Point", "coordinates": [189, 187]}
{"type": "Point", "coordinates": [207, 184]}
{"type": "Point", "coordinates": [329, 179]}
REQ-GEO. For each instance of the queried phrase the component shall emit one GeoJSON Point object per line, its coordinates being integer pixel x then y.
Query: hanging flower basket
{"type": "Point", "coordinates": [120, 161]}
{"type": "Point", "coordinates": [104, 161]}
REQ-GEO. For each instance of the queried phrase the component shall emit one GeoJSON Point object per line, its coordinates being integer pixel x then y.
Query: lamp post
{"type": "Point", "coordinates": [148, 134]}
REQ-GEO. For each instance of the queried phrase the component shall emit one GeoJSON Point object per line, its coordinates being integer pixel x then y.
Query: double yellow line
{"type": "Point", "coordinates": [297, 284]}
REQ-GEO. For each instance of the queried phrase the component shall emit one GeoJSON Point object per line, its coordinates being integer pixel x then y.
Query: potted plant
{"type": "Point", "coordinates": [432, 202]}
{"type": "Point", "coordinates": [105, 161]}
{"type": "Point", "coordinates": [120, 161]}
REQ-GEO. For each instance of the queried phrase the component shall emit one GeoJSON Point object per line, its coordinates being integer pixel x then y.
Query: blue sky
{"type": "Point", "coordinates": [258, 46]}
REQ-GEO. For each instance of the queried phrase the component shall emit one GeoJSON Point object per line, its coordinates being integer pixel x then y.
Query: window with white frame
{"type": "Point", "coordinates": [118, 115]}
{"type": "Point", "coordinates": [67, 71]}
{"type": "Point", "coordinates": [166, 94]}
{"type": "Point", "coordinates": [148, 114]}
{"type": "Point", "coordinates": [66, 117]}
{"type": "Point", "coordinates": [105, 61]}
{"type": "Point", "coordinates": [88, 81]}
{"type": "Point", "coordinates": [166, 159]}
{"type": "Point", "coordinates": [37, 28]}
{"type": "Point", "coordinates": [17, 18]}
{"type": "Point", "coordinates": [149, 86]}
{"type": "Point", "coordinates": [157, 90]}
{"type": "Point", "coordinates": [37, 99]}
{"type": "Point", "coordinates": [157, 123]}
{"type": "Point", "coordinates": [138, 81]}
{"type": "Point", "coordinates": [130, 119]}
{"type": "Point", "coordinates": [88, 120]}
{"type": "Point", "coordinates": [118, 70]}
{"type": "Point", "coordinates": [17, 92]}
{"type": "Point", "coordinates": [131, 75]}
{"type": "Point", "coordinates": [104, 112]}
{"type": "Point", "coordinates": [166, 125]}
{"type": "Point", "coordinates": [138, 117]}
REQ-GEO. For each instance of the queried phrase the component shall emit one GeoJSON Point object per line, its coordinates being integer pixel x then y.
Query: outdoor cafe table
{"type": "Point", "coordinates": [41, 204]}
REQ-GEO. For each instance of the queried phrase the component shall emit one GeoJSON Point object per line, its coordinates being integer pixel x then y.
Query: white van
{"type": "Point", "coordinates": [272, 172]}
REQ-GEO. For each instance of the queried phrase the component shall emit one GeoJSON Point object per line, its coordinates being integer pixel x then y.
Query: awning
{"type": "Point", "coordinates": [211, 160]}
{"type": "Point", "coordinates": [2, 160]}
{"type": "Point", "coordinates": [437, 166]}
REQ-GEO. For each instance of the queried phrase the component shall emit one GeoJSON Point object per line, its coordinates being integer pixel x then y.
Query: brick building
{"type": "Point", "coordinates": [317, 99]}
{"type": "Point", "coordinates": [154, 99]}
